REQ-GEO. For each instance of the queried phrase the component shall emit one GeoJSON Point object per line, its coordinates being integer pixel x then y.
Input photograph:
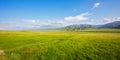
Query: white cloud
{"type": "Point", "coordinates": [10, 26]}
{"type": "Point", "coordinates": [31, 24]}
{"type": "Point", "coordinates": [111, 19]}
{"type": "Point", "coordinates": [53, 24]}
{"type": "Point", "coordinates": [96, 5]}
{"type": "Point", "coordinates": [104, 21]}
{"type": "Point", "coordinates": [83, 16]}
{"type": "Point", "coordinates": [50, 24]}
{"type": "Point", "coordinates": [30, 21]}
{"type": "Point", "coordinates": [95, 22]}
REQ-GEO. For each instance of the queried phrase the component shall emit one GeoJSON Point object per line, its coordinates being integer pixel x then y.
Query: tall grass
{"type": "Point", "coordinates": [60, 45]}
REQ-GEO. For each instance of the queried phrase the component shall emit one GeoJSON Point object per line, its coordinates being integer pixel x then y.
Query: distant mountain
{"type": "Point", "coordinates": [111, 25]}
{"type": "Point", "coordinates": [115, 24]}
{"type": "Point", "coordinates": [78, 26]}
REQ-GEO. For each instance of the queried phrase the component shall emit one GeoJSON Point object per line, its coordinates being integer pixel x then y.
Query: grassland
{"type": "Point", "coordinates": [60, 45]}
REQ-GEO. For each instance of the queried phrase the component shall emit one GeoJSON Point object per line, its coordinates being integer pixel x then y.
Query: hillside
{"type": "Point", "coordinates": [112, 25]}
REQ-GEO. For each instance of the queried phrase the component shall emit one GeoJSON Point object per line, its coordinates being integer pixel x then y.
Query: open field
{"type": "Point", "coordinates": [60, 45]}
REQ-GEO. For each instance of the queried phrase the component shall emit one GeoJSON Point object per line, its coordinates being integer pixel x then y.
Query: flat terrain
{"type": "Point", "coordinates": [60, 45]}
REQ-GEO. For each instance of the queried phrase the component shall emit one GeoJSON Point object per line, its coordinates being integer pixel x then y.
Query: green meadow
{"type": "Point", "coordinates": [60, 45]}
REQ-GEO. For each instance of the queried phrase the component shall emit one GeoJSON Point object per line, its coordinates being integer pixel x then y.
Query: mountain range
{"type": "Point", "coordinates": [112, 25]}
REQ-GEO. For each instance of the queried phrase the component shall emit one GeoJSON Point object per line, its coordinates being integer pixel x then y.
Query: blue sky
{"type": "Point", "coordinates": [43, 14]}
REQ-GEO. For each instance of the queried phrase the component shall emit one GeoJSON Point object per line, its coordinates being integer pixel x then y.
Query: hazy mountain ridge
{"type": "Point", "coordinates": [111, 25]}
{"type": "Point", "coordinates": [115, 24]}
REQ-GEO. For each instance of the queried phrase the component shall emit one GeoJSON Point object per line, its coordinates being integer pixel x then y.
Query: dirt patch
{"type": "Point", "coordinates": [2, 52]}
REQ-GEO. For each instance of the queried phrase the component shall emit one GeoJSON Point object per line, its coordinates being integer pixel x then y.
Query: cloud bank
{"type": "Point", "coordinates": [83, 16]}
{"type": "Point", "coordinates": [30, 21]}
{"type": "Point", "coordinates": [111, 19]}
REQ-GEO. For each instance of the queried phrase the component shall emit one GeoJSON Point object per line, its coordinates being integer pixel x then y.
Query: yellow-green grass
{"type": "Point", "coordinates": [60, 45]}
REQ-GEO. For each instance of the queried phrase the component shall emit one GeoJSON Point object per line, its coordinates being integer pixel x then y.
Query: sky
{"type": "Point", "coordinates": [45, 14]}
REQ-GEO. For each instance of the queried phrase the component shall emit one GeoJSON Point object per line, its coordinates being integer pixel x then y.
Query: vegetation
{"type": "Point", "coordinates": [60, 45]}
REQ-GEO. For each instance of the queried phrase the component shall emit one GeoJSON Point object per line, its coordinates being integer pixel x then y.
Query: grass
{"type": "Point", "coordinates": [60, 45]}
